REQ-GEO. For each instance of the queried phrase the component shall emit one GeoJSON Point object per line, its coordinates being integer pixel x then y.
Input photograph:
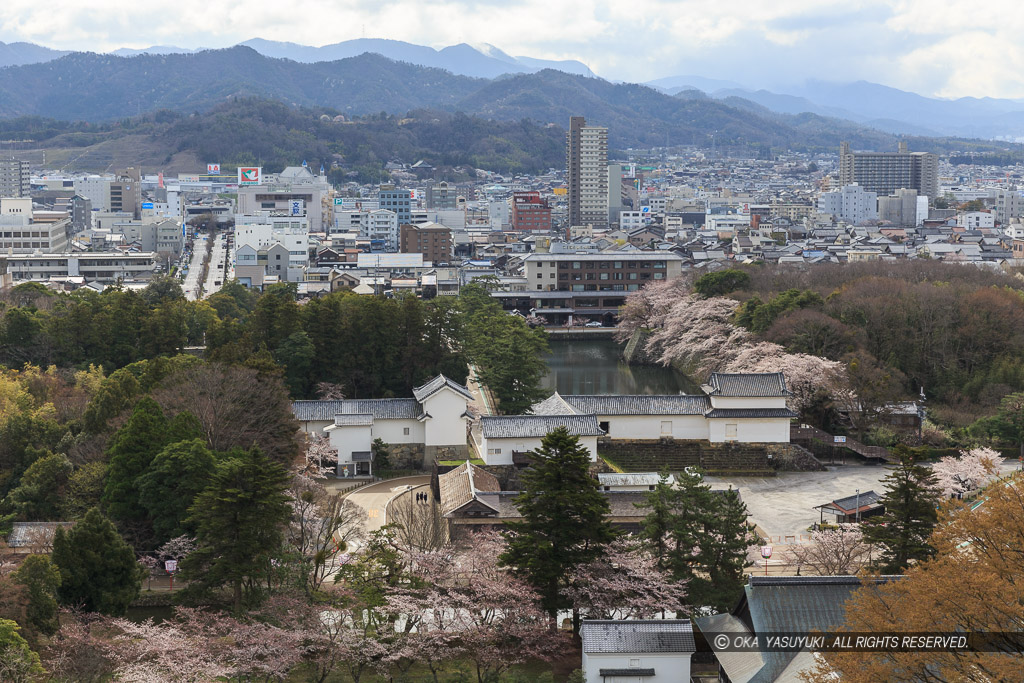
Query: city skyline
{"type": "Point", "coordinates": [907, 45]}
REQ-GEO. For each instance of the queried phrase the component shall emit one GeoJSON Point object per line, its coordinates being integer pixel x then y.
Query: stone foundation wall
{"type": "Point", "coordinates": [406, 456]}
{"type": "Point", "coordinates": [651, 455]}
{"type": "Point", "coordinates": [435, 453]}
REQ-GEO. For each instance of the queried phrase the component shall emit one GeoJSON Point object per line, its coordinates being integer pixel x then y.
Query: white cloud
{"type": "Point", "coordinates": [911, 44]}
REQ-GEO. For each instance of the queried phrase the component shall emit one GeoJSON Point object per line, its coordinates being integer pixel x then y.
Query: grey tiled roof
{"type": "Point", "coordinates": [637, 636]}
{"type": "Point", "coordinates": [436, 384]}
{"type": "Point", "coordinates": [631, 478]}
{"type": "Point", "coordinates": [621, 504]}
{"type": "Point", "coordinates": [461, 485]}
{"type": "Point", "coordinates": [27, 534]}
{"type": "Point", "coordinates": [316, 411]}
{"type": "Point", "coordinates": [526, 426]}
{"type": "Point", "coordinates": [553, 405]}
{"type": "Point", "coordinates": [796, 604]}
{"type": "Point", "coordinates": [353, 420]}
{"type": "Point", "coordinates": [763, 384]}
{"type": "Point", "coordinates": [850, 502]}
{"type": "Point", "coordinates": [671, 404]}
{"type": "Point", "coordinates": [750, 412]}
{"type": "Point", "coordinates": [383, 408]}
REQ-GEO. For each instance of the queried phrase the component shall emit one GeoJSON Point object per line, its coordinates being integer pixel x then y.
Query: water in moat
{"type": "Point", "coordinates": [596, 367]}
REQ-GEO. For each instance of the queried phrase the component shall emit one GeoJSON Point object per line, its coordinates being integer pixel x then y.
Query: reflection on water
{"type": "Point", "coordinates": [596, 367]}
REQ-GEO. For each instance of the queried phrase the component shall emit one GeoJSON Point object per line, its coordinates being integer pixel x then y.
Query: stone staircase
{"type": "Point", "coordinates": [807, 434]}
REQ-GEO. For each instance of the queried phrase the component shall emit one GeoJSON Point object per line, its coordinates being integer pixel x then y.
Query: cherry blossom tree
{"type": "Point", "coordinates": [646, 308]}
{"type": "Point", "coordinates": [468, 606]}
{"type": "Point", "coordinates": [971, 470]}
{"type": "Point", "coordinates": [833, 551]}
{"type": "Point", "coordinates": [697, 334]}
{"type": "Point", "coordinates": [322, 527]}
{"type": "Point", "coordinates": [807, 377]}
{"type": "Point", "coordinates": [319, 459]}
{"type": "Point", "coordinates": [626, 583]}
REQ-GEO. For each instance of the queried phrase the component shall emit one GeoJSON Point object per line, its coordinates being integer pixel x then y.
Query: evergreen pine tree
{"type": "Point", "coordinates": [565, 519]}
{"type": "Point", "coordinates": [911, 503]}
{"type": "Point", "coordinates": [726, 551]}
{"type": "Point", "coordinates": [41, 580]}
{"type": "Point", "coordinates": [175, 477]}
{"type": "Point", "coordinates": [239, 520]}
{"type": "Point", "coordinates": [705, 537]}
{"type": "Point", "coordinates": [131, 450]}
{"type": "Point", "coordinates": [657, 525]}
{"type": "Point", "coordinates": [98, 570]}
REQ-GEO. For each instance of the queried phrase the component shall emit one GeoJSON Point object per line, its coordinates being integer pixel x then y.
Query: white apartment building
{"type": "Point", "coordinates": [105, 267]}
{"type": "Point", "coordinates": [372, 224]}
{"type": "Point", "coordinates": [975, 220]}
{"type": "Point", "coordinates": [20, 234]}
{"type": "Point", "coordinates": [257, 234]}
{"type": "Point", "coordinates": [1009, 205]}
{"type": "Point", "coordinates": [852, 204]}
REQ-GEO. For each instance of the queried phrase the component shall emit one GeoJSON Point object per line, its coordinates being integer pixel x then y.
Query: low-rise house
{"type": "Point", "coordinates": [851, 508]}
{"type": "Point", "coordinates": [774, 605]}
{"type": "Point", "coordinates": [420, 429]}
{"type": "Point", "coordinates": [501, 440]}
{"type": "Point", "coordinates": [655, 650]}
{"type": "Point", "coordinates": [747, 408]}
{"type": "Point", "coordinates": [631, 481]}
{"type": "Point", "coordinates": [34, 537]}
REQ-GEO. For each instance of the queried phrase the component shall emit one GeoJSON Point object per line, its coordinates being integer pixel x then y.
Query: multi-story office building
{"type": "Point", "coordinates": [432, 240]}
{"type": "Point", "coordinates": [568, 286]}
{"type": "Point", "coordinates": [586, 152]}
{"type": "Point", "coordinates": [1009, 205]}
{"type": "Point", "coordinates": [105, 267]}
{"type": "Point", "coordinates": [21, 234]}
{"type": "Point", "coordinates": [280, 193]}
{"type": "Point", "coordinates": [125, 193]}
{"type": "Point", "coordinates": [257, 236]}
{"type": "Point", "coordinates": [885, 172]}
{"type": "Point", "coordinates": [399, 201]}
{"type": "Point", "coordinates": [530, 212]}
{"type": "Point", "coordinates": [852, 204]}
{"type": "Point", "coordinates": [442, 196]}
{"type": "Point", "coordinates": [904, 208]}
{"type": "Point", "coordinates": [14, 178]}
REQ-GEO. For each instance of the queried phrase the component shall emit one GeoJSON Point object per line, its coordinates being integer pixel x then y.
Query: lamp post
{"type": "Point", "coordinates": [766, 552]}
{"type": "Point", "coordinates": [171, 566]}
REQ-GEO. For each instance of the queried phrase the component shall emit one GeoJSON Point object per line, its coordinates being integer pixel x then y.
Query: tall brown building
{"type": "Point", "coordinates": [586, 160]}
{"type": "Point", "coordinates": [433, 240]}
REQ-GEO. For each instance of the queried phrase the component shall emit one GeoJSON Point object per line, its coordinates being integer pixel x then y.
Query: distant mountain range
{"type": "Point", "coordinates": [91, 87]}
{"type": "Point", "coordinates": [484, 61]}
{"type": "Point", "coordinates": [869, 104]}
{"type": "Point", "coordinates": [878, 106]}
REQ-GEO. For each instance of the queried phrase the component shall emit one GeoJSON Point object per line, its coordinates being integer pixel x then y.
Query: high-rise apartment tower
{"type": "Point", "coordinates": [885, 172]}
{"type": "Point", "coordinates": [586, 158]}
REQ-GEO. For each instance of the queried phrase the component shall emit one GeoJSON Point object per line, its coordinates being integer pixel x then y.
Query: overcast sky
{"type": "Point", "coordinates": [946, 48]}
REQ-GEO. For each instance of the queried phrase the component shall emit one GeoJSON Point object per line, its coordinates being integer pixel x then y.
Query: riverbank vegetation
{"type": "Point", "coordinates": [870, 333]}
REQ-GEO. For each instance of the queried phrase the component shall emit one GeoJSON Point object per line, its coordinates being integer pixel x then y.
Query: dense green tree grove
{"type": "Point", "coordinates": [372, 347]}
{"type": "Point", "coordinates": [955, 330]}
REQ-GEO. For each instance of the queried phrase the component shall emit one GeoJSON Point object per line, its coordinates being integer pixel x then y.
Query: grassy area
{"type": "Point", "coordinates": [455, 463]}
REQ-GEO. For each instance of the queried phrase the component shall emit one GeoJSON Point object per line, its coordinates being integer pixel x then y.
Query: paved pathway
{"type": "Point", "coordinates": [374, 498]}
{"type": "Point", "coordinates": [195, 267]}
{"type": "Point", "coordinates": [783, 506]}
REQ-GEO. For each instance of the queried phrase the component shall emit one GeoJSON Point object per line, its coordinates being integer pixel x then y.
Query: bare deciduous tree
{"type": "Point", "coordinates": [323, 525]}
{"type": "Point", "coordinates": [833, 552]}
{"type": "Point", "coordinates": [418, 523]}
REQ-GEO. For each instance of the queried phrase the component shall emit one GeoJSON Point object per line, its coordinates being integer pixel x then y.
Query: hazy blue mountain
{"type": "Point", "coordinates": [675, 84]}
{"type": "Point", "coordinates": [152, 50]}
{"type": "Point", "coordinates": [485, 61]}
{"type": "Point", "coordinates": [109, 87]}
{"type": "Point", "coordinates": [17, 54]}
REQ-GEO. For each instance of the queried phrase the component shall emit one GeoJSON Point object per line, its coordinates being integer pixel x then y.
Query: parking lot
{"type": "Point", "coordinates": [783, 506]}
